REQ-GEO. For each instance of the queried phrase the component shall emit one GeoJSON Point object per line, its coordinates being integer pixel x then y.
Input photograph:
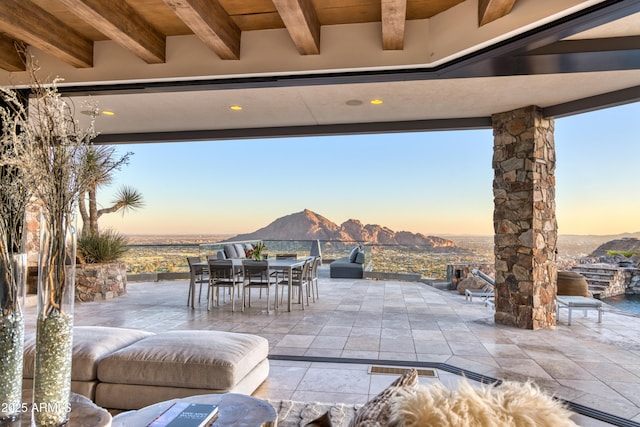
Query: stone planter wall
{"type": "Point", "coordinates": [95, 282]}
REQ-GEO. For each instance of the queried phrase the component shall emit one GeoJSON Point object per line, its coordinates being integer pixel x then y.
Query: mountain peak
{"type": "Point", "coordinates": [309, 225]}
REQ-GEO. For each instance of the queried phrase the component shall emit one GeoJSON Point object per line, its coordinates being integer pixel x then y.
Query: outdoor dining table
{"type": "Point", "coordinates": [285, 265]}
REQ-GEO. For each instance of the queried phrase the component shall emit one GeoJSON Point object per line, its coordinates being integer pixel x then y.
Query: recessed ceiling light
{"type": "Point", "coordinates": [376, 101]}
{"type": "Point", "coordinates": [235, 107]}
{"type": "Point", "coordinates": [353, 102]}
{"type": "Point", "coordinates": [108, 113]}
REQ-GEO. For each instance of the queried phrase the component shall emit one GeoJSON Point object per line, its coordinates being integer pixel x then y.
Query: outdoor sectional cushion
{"type": "Point", "coordinates": [191, 359]}
{"type": "Point", "coordinates": [230, 251]}
{"type": "Point", "coordinates": [343, 268]}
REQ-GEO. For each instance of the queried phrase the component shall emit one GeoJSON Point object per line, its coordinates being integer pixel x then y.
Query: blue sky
{"type": "Point", "coordinates": [433, 183]}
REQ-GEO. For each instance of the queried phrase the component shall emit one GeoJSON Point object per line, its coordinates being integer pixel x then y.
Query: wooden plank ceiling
{"type": "Point", "coordinates": [67, 29]}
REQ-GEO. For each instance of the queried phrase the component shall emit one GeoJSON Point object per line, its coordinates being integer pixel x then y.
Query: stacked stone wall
{"type": "Point", "coordinates": [524, 219]}
{"type": "Point", "coordinates": [457, 272]}
{"type": "Point", "coordinates": [95, 282]}
{"type": "Point", "coordinates": [634, 285]}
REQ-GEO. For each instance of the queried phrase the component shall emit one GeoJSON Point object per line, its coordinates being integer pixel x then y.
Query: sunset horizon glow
{"type": "Point", "coordinates": [434, 183]}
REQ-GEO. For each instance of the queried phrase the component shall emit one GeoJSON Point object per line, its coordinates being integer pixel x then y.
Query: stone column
{"type": "Point", "coordinates": [524, 219]}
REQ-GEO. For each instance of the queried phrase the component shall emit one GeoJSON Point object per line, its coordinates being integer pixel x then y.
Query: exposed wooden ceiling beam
{"type": "Point", "coordinates": [490, 10]}
{"type": "Point", "coordinates": [10, 59]}
{"type": "Point", "coordinates": [301, 20]}
{"type": "Point", "coordinates": [394, 18]}
{"type": "Point", "coordinates": [33, 25]}
{"type": "Point", "coordinates": [122, 24]}
{"type": "Point", "coordinates": [211, 23]}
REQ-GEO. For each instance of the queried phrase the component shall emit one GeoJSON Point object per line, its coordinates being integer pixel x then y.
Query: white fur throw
{"type": "Point", "coordinates": [507, 405]}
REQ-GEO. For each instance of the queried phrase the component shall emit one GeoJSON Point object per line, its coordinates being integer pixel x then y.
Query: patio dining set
{"type": "Point", "coordinates": [238, 277]}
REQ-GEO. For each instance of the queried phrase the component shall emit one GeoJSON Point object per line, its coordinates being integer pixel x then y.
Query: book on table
{"type": "Point", "coordinates": [183, 414]}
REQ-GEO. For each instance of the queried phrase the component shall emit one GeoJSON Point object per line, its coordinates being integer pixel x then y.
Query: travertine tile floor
{"type": "Point", "coordinates": [588, 363]}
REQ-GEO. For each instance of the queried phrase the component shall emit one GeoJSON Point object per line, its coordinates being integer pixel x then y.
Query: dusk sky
{"type": "Point", "coordinates": [436, 183]}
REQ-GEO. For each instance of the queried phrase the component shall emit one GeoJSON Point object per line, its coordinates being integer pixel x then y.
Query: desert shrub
{"type": "Point", "coordinates": [102, 246]}
{"type": "Point", "coordinates": [627, 254]}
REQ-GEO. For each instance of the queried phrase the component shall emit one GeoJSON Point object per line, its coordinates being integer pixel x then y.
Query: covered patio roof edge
{"type": "Point", "coordinates": [297, 131]}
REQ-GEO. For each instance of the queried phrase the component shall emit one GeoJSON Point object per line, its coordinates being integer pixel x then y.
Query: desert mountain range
{"type": "Point", "coordinates": [308, 225]}
{"type": "Point", "coordinates": [627, 244]}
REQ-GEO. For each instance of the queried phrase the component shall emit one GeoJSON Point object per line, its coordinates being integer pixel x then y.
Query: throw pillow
{"type": "Point", "coordinates": [230, 251]}
{"type": "Point", "coordinates": [240, 250]}
{"type": "Point", "coordinates": [377, 412]}
{"type": "Point", "coordinates": [354, 253]}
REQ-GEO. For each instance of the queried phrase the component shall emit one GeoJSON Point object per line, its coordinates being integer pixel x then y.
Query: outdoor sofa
{"type": "Point", "coordinates": [126, 369]}
{"type": "Point", "coordinates": [351, 267]}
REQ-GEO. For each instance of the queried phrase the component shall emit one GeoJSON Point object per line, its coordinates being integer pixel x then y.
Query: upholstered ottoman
{"type": "Point", "coordinates": [90, 345]}
{"type": "Point", "coordinates": [177, 364]}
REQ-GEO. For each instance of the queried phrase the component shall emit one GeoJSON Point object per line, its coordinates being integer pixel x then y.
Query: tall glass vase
{"type": "Point", "coordinates": [54, 333]}
{"type": "Point", "coordinates": [13, 277]}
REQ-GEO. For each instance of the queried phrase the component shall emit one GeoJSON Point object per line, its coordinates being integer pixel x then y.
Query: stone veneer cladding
{"type": "Point", "coordinates": [524, 219]}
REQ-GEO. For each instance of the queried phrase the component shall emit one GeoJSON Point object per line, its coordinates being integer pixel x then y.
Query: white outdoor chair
{"type": "Point", "coordinates": [299, 281]}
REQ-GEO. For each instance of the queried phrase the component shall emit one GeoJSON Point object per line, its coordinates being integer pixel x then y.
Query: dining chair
{"type": "Point", "coordinates": [237, 270]}
{"type": "Point", "coordinates": [199, 273]}
{"type": "Point", "coordinates": [299, 282]}
{"type": "Point", "coordinates": [313, 278]}
{"type": "Point", "coordinates": [280, 273]}
{"type": "Point", "coordinates": [221, 275]}
{"type": "Point", "coordinates": [256, 275]}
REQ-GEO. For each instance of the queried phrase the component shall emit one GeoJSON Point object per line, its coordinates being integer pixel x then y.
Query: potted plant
{"type": "Point", "coordinates": [54, 157]}
{"type": "Point", "coordinates": [257, 253]}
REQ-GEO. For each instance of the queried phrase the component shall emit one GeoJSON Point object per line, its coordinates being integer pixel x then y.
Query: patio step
{"type": "Point", "coordinates": [601, 278]}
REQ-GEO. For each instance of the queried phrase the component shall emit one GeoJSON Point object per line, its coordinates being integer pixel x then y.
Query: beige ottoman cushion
{"type": "Point", "coordinates": [90, 344]}
{"type": "Point", "coordinates": [84, 388]}
{"type": "Point", "coordinates": [210, 360]}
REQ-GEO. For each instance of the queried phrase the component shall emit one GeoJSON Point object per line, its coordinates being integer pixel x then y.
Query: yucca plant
{"type": "Point", "coordinates": [102, 246]}
{"type": "Point", "coordinates": [102, 162]}
{"type": "Point", "coordinates": [14, 197]}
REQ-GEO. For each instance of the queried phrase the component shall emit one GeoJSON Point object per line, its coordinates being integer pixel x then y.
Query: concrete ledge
{"type": "Point", "coordinates": [156, 277]}
{"type": "Point", "coordinates": [379, 275]}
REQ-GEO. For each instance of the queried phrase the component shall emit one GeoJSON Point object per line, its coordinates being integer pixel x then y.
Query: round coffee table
{"type": "Point", "coordinates": [235, 410]}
